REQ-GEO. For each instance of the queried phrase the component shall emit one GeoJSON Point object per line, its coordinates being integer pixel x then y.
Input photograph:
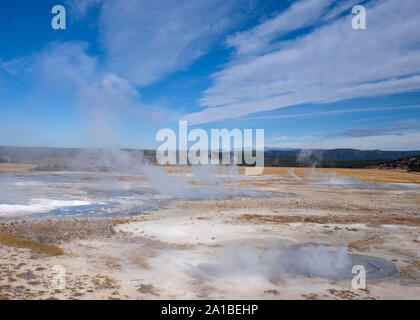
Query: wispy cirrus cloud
{"type": "Point", "coordinates": [340, 7]}
{"type": "Point", "coordinates": [332, 62]}
{"type": "Point", "coordinates": [367, 132]}
{"type": "Point", "coordinates": [396, 142]}
{"type": "Point", "coordinates": [145, 41]}
{"type": "Point", "coordinates": [259, 39]}
{"type": "Point", "coordinates": [15, 66]}
{"type": "Point", "coordinates": [331, 112]}
{"type": "Point", "coordinates": [79, 8]}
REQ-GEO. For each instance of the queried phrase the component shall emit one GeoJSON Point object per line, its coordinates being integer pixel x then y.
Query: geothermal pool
{"type": "Point", "coordinates": [98, 194]}
{"type": "Point", "coordinates": [106, 194]}
{"type": "Point", "coordinates": [219, 234]}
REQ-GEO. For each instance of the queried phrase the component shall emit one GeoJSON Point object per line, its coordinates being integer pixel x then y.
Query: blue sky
{"type": "Point", "coordinates": [122, 70]}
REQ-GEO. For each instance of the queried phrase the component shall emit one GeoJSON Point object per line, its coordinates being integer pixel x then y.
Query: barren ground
{"type": "Point", "coordinates": [158, 255]}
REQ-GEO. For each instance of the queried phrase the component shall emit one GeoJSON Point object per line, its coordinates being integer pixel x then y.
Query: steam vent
{"type": "Point", "coordinates": [321, 260]}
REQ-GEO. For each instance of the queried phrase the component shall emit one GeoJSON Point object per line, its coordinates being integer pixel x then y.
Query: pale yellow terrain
{"type": "Point", "coordinates": [158, 255]}
{"type": "Point", "coordinates": [367, 175]}
{"type": "Point", "coordinates": [16, 167]}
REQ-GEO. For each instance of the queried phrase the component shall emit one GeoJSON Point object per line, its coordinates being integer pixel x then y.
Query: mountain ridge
{"type": "Point", "coordinates": [344, 154]}
{"type": "Point", "coordinates": [29, 154]}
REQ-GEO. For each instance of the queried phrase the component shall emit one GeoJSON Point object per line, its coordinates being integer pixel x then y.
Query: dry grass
{"type": "Point", "coordinates": [367, 175]}
{"type": "Point", "coordinates": [370, 220]}
{"type": "Point", "coordinates": [104, 282]}
{"type": "Point", "coordinates": [16, 167]}
{"type": "Point", "coordinates": [55, 230]}
{"type": "Point", "coordinates": [148, 289]}
{"type": "Point", "coordinates": [38, 247]}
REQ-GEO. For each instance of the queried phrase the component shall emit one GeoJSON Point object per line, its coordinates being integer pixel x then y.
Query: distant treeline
{"type": "Point", "coordinates": [335, 158]}
{"type": "Point", "coordinates": [411, 164]}
{"type": "Point", "coordinates": [290, 161]}
{"type": "Point", "coordinates": [344, 154]}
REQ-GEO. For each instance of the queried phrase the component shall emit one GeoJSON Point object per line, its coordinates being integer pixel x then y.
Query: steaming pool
{"type": "Point", "coordinates": [105, 194]}
{"type": "Point", "coordinates": [321, 260]}
{"type": "Point", "coordinates": [272, 236]}
{"type": "Point", "coordinates": [97, 194]}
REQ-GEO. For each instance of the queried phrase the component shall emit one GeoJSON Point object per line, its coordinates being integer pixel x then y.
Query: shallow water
{"type": "Point", "coordinates": [35, 194]}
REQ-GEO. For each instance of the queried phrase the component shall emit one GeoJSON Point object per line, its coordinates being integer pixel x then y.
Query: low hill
{"type": "Point", "coordinates": [343, 154]}
{"type": "Point", "coordinates": [65, 158]}
{"type": "Point", "coordinates": [410, 164]}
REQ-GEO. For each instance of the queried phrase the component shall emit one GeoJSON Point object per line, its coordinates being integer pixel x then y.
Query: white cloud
{"type": "Point", "coordinates": [79, 8]}
{"type": "Point", "coordinates": [397, 142]}
{"type": "Point", "coordinates": [341, 7]}
{"type": "Point", "coordinates": [332, 63]}
{"type": "Point", "coordinates": [146, 40]}
{"type": "Point", "coordinates": [67, 65]}
{"type": "Point", "coordinates": [16, 66]}
{"type": "Point", "coordinates": [300, 14]}
{"type": "Point", "coordinates": [104, 98]}
{"type": "Point", "coordinates": [329, 112]}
